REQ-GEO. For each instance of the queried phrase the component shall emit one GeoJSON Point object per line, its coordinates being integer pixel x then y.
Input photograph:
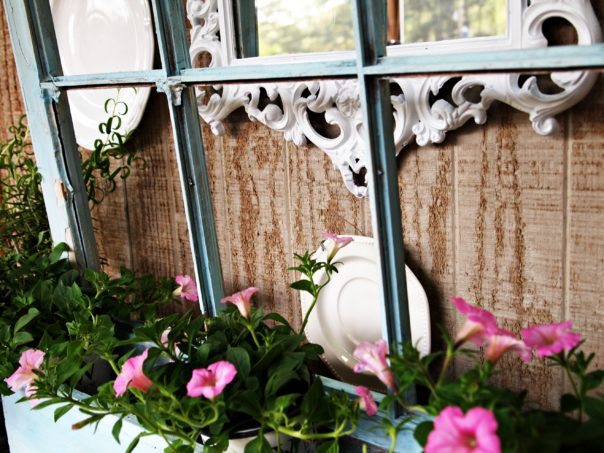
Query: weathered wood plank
{"type": "Point", "coordinates": [11, 102]}
{"type": "Point", "coordinates": [152, 207]}
{"type": "Point", "coordinates": [585, 259]}
{"type": "Point", "coordinates": [257, 205]}
{"type": "Point", "coordinates": [426, 191]}
{"type": "Point", "coordinates": [510, 185]}
{"type": "Point", "coordinates": [112, 229]}
{"type": "Point", "coordinates": [218, 186]}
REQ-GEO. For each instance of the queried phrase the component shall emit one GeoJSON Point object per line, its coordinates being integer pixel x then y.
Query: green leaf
{"type": "Point", "coordinates": [248, 403]}
{"type": "Point", "coordinates": [278, 379]}
{"type": "Point", "coordinates": [22, 338]}
{"type": "Point", "coordinates": [241, 359]}
{"type": "Point", "coordinates": [593, 379]}
{"type": "Point", "coordinates": [115, 431]}
{"type": "Point", "coordinates": [46, 403]}
{"type": "Point", "coordinates": [280, 319]}
{"type": "Point", "coordinates": [422, 431]}
{"type": "Point", "coordinates": [310, 408]}
{"type": "Point", "coordinates": [60, 411]}
{"type": "Point", "coordinates": [26, 319]}
{"type": "Point", "coordinates": [283, 402]}
{"type": "Point", "coordinates": [202, 353]}
{"type": "Point", "coordinates": [303, 285]}
{"type": "Point", "coordinates": [329, 447]}
{"type": "Point", "coordinates": [134, 443]}
{"type": "Point", "coordinates": [594, 408]}
{"type": "Point", "coordinates": [258, 445]}
{"type": "Point", "coordinates": [67, 368]}
{"type": "Point", "coordinates": [568, 403]}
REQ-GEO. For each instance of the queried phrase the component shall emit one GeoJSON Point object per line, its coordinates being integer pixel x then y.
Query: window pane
{"type": "Point", "coordinates": [435, 20]}
{"type": "Point", "coordinates": [286, 26]}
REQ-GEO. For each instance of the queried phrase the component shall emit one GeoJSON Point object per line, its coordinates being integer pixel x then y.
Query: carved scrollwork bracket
{"type": "Point", "coordinates": [416, 114]}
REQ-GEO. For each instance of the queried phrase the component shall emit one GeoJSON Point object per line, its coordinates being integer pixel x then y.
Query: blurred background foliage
{"type": "Point", "coordinates": [289, 27]}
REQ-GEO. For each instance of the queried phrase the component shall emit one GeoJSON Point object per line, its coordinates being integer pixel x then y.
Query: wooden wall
{"type": "Point", "coordinates": [499, 215]}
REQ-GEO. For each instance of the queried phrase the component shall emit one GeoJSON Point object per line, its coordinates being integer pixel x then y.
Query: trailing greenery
{"type": "Point", "coordinates": [23, 222]}
{"type": "Point", "coordinates": [43, 300]}
{"type": "Point", "coordinates": [111, 147]}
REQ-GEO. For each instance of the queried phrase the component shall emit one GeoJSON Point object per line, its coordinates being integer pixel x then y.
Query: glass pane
{"type": "Point", "coordinates": [435, 20]}
{"type": "Point", "coordinates": [286, 27]}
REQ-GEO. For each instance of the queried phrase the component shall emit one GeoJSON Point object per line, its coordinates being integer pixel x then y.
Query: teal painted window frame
{"type": "Point", "coordinates": [44, 86]}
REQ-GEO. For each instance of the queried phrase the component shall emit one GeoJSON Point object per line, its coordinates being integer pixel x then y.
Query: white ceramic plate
{"type": "Point", "coordinates": [348, 310]}
{"type": "Point", "coordinates": [96, 36]}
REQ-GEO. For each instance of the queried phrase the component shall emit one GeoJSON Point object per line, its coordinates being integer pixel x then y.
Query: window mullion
{"type": "Point", "coordinates": [194, 178]}
{"type": "Point", "coordinates": [563, 58]}
{"type": "Point", "coordinates": [51, 128]}
{"type": "Point", "coordinates": [370, 22]}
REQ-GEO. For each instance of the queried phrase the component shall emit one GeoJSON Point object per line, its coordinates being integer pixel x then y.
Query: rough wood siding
{"type": "Point", "coordinates": [11, 103]}
{"type": "Point", "coordinates": [497, 214]}
{"type": "Point", "coordinates": [510, 186]}
{"type": "Point", "coordinates": [584, 215]}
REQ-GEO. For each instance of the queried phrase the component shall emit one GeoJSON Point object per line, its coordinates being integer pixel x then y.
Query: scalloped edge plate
{"type": "Point", "coordinates": [349, 311]}
{"type": "Point", "coordinates": [127, 44]}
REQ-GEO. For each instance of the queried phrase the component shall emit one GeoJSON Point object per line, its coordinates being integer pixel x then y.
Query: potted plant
{"type": "Point", "coordinates": [471, 414]}
{"type": "Point", "coordinates": [243, 373]}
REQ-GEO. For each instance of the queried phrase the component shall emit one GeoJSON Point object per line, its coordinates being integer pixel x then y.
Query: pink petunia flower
{"type": "Point", "coordinates": [480, 323]}
{"type": "Point", "coordinates": [211, 381]}
{"type": "Point", "coordinates": [166, 342]}
{"type": "Point", "coordinates": [339, 242]}
{"type": "Point", "coordinates": [132, 375]}
{"type": "Point", "coordinates": [550, 339]}
{"type": "Point", "coordinates": [504, 341]}
{"type": "Point", "coordinates": [242, 301]}
{"type": "Point", "coordinates": [187, 288]}
{"type": "Point", "coordinates": [367, 401]}
{"type": "Point", "coordinates": [372, 357]}
{"type": "Point", "coordinates": [24, 377]}
{"type": "Point", "coordinates": [454, 432]}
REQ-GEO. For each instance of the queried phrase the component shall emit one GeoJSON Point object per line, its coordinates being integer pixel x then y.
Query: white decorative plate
{"type": "Point", "coordinates": [96, 36]}
{"type": "Point", "coordinates": [349, 311]}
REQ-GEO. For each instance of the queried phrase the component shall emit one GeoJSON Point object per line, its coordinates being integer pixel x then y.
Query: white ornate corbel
{"type": "Point", "coordinates": [414, 114]}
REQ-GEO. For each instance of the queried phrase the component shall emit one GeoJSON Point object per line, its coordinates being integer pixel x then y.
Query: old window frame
{"type": "Point", "coordinates": [44, 85]}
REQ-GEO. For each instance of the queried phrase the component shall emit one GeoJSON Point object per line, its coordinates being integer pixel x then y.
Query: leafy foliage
{"type": "Point", "coordinates": [23, 223]}
{"type": "Point", "coordinates": [575, 427]}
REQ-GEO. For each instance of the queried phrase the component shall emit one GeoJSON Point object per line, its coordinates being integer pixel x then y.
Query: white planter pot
{"type": "Point", "coordinates": [35, 431]}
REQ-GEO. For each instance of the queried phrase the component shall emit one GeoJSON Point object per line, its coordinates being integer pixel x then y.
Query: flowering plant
{"type": "Point", "coordinates": [210, 376]}
{"type": "Point", "coordinates": [473, 415]}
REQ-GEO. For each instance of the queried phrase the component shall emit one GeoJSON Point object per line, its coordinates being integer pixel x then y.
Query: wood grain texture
{"type": "Point", "coordinates": [155, 210]}
{"type": "Point", "coordinates": [585, 217]}
{"type": "Point", "coordinates": [427, 199]}
{"type": "Point", "coordinates": [255, 183]}
{"type": "Point", "coordinates": [511, 197]}
{"type": "Point", "coordinates": [11, 102]}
